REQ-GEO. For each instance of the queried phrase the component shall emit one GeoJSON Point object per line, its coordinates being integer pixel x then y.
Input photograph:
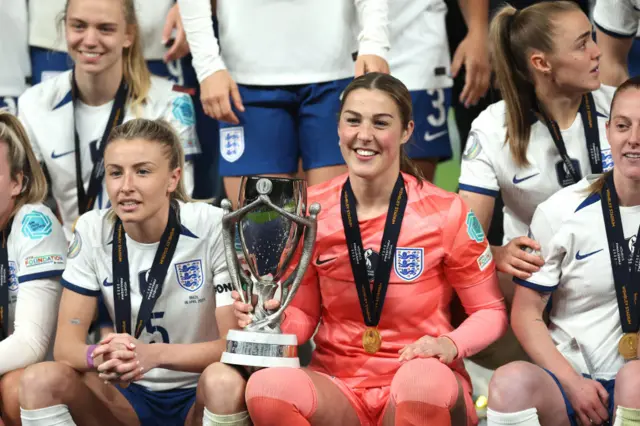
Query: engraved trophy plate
{"type": "Point", "coordinates": [271, 221]}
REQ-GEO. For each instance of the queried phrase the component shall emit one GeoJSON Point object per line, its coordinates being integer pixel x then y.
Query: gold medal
{"type": "Point", "coordinates": [371, 340]}
{"type": "Point", "coordinates": [628, 346]}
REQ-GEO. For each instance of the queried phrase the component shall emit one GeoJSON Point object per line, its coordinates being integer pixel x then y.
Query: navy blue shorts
{"type": "Point", "coordinates": [167, 408]}
{"type": "Point", "coordinates": [609, 386]}
{"type": "Point", "coordinates": [9, 104]}
{"type": "Point", "coordinates": [431, 134]}
{"type": "Point", "coordinates": [280, 125]}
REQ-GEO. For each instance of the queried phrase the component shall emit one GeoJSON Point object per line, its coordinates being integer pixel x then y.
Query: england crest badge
{"type": "Point", "coordinates": [409, 263]}
{"type": "Point", "coordinates": [189, 274]}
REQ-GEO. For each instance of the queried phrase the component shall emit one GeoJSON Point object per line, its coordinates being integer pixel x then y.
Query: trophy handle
{"type": "Point", "coordinates": [294, 280]}
{"type": "Point", "coordinates": [237, 275]}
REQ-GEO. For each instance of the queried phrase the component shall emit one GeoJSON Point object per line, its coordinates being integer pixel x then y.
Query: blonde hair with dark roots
{"type": "Point", "coordinates": [161, 132]}
{"type": "Point", "coordinates": [513, 34]}
{"type": "Point", "coordinates": [630, 84]}
{"type": "Point", "coordinates": [136, 72]}
{"type": "Point", "coordinates": [22, 160]}
{"type": "Point", "coordinates": [397, 91]}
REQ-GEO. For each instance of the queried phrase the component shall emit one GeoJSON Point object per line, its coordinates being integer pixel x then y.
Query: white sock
{"type": "Point", "coordinates": [519, 418]}
{"type": "Point", "coordinates": [627, 417]}
{"type": "Point", "coordinates": [58, 415]}
{"type": "Point", "coordinates": [237, 419]}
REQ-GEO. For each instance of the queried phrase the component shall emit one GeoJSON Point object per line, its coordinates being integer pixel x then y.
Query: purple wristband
{"type": "Point", "coordinates": [89, 357]}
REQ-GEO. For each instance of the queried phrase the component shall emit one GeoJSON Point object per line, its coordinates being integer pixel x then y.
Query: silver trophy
{"type": "Point", "coordinates": [271, 221]}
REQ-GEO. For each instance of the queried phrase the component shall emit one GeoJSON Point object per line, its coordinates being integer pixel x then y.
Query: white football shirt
{"type": "Point", "coordinates": [584, 319]}
{"type": "Point", "coordinates": [197, 281]}
{"type": "Point", "coordinates": [489, 168]}
{"type": "Point", "coordinates": [47, 112]}
{"type": "Point", "coordinates": [14, 49]}
{"type": "Point", "coordinates": [618, 18]}
{"type": "Point", "coordinates": [419, 54]}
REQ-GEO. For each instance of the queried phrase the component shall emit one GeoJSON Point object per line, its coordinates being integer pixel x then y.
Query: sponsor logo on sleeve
{"type": "Point", "coordinates": [409, 263]}
{"type": "Point", "coordinates": [189, 274]}
{"type": "Point", "coordinates": [224, 288]}
{"type": "Point", "coordinates": [183, 111]}
{"type": "Point", "coordinates": [36, 225]}
{"type": "Point", "coordinates": [47, 259]}
{"type": "Point", "coordinates": [473, 147]}
{"type": "Point", "coordinates": [75, 246]}
{"type": "Point", "coordinates": [485, 259]}
{"type": "Point", "coordinates": [474, 229]}
{"type": "Point", "coordinates": [232, 143]}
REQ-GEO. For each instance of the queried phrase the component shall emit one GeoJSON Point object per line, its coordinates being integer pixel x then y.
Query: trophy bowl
{"type": "Point", "coordinates": [271, 222]}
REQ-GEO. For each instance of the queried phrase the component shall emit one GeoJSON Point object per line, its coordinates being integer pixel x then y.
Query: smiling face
{"type": "Point", "coordinates": [139, 179]}
{"type": "Point", "coordinates": [371, 134]}
{"type": "Point", "coordinates": [573, 63]}
{"type": "Point", "coordinates": [623, 133]}
{"type": "Point", "coordinates": [97, 34]}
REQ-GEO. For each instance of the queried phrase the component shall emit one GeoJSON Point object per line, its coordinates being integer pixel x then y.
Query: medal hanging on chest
{"type": "Point", "coordinates": [372, 297]}
{"type": "Point", "coordinates": [626, 273]}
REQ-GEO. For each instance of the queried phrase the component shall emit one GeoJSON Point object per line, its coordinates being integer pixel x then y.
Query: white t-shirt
{"type": "Point", "coordinates": [37, 252]}
{"type": "Point", "coordinates": [197, 281]}
{"type": "Point", "coordinates": [584, 319]}
{"type": "Point", "coordinates": [419, 54]}
{"type": "Point", "coordinates": [14, 49]}
{"type": "Point", "coordinates": [45, 32]}
{"type": "Point", "coordinates": [47, 112]}
{"type": "Point", "coordinates": [618, 18]}
{"type": "Point", "coordinates": [488, 166]}
{"type": "Point", "coordinates": [271, 43]}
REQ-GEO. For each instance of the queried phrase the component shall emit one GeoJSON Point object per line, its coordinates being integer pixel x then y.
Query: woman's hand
{"type": "Point", "coordinates": [124, 358]}
{"type": "Point", "coordinates": [516, 258]}
{"type": "Point", "coordinates": [442, 348]}
{"type": "Point", "coordinates": [589, 400]}
{"type": "Point", "coordinates": [242, 310]}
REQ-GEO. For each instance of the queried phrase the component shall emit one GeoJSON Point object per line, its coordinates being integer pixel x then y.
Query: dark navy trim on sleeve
{"type": "Point", "coordinates": [533, 286]}
{"type": "Point", "coordinates": [78, 289]}
{"type": "Point", "coordinates": [39, 275]}
{"type": "Point", "coordinates": [192, 157]}
{"type": "Point", "coordinates": [613, 33]}
{"type": "Point", "coordinates": [478, 190]}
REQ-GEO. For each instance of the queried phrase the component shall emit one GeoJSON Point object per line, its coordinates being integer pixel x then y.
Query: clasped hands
{"type": "Point", "coordinates": [121, 359]}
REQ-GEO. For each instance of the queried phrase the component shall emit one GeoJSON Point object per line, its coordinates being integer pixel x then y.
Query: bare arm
{"type": "Point", "coordinates": [74, 318]}
{"type": "Point", "coordinates": [614, 68]}
{"type": "Point", "coordinates": [476, 15]}
{"type": "Point", "coordinates": [481, 205]}
{"type": "Point", "coordinates": [533, 334]}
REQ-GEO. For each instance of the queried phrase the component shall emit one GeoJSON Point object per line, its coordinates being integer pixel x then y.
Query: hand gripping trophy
{"type": "Point", "coordinates": [271, 220]}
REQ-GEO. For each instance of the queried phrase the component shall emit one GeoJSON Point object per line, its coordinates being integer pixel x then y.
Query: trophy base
{"type": "Point", "coordinates": [255, 349]}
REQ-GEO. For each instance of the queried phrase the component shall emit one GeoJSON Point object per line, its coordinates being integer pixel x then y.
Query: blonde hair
{"type": "Point", "coordinates": [22, 160]}
{"type": "Point", "coordinates": [136, 73]}
{"type": "Point", "coordinates": [512, 35]}
{"type": "Point", "coordinates": [397, 91]}
{"type": "Point", "coordinates": [161, 132]}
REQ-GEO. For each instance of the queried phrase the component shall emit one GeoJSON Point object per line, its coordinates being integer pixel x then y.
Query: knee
{"type": "Point", "coordinates": [222, 382]}
{"type": "Point", "coordinates": [511, 385]}
{"type": "Point", "coordinates": [271, 390]}
{"type": "Point", "coordinates": [46, 384]}
{"type": "Point", "coordinates": [627, 389]}
{"type": "Point", "coordinates": [425, 380]}
{"type": "Point", "coordinates": [9, 387]}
